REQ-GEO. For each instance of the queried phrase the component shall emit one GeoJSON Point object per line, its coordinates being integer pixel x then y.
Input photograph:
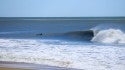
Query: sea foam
{"type": "Point", "coordinates": [80, 56]}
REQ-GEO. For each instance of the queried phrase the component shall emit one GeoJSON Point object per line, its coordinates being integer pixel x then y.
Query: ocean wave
{"type": "Point", "coordinates": [109, 33]}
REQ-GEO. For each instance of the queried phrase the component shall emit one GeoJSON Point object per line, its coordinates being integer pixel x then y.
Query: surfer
{"type": "Point", "coordinates": [40, 34]}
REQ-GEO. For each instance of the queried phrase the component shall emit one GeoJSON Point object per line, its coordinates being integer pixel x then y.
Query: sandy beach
{"type": "Point", "coordinates": [6, 65]}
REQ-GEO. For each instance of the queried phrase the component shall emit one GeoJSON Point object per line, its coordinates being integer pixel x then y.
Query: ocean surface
{"type": "Point", "coordinates": [96, 43]}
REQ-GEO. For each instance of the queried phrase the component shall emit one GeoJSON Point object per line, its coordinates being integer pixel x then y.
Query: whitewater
{"type": "Point", "coordinates": [109, 33]}
{"type": "Point", "coordinates": [97, 57]}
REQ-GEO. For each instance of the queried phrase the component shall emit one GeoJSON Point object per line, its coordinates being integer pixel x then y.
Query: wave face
{"type": "Point", "coordinates": [71, 36]}
{"type": "Point", "coordinates": [109, 33]}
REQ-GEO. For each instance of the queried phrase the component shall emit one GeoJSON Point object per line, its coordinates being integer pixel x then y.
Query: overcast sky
{"type": "Point", "coordinates": [62, 8]}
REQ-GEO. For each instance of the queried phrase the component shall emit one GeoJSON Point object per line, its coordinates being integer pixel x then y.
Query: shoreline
{"type": "Point", "coordinates": [8, 65]}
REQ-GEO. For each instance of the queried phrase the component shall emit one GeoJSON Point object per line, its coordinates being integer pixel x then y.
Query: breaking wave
{"type": "Point", "coordinates": [109, 33]}
{"type": "Point", "coordinates": [113, 33]}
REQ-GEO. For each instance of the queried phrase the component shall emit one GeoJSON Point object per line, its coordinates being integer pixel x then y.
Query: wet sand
{"type": "Point", "coordinates": [5, 65]}
{"type": "Point", "coordinates": [3, 68]}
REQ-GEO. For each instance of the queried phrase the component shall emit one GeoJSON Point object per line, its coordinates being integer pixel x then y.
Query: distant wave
{"type": "Point", "coordinates": [14, 32]}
